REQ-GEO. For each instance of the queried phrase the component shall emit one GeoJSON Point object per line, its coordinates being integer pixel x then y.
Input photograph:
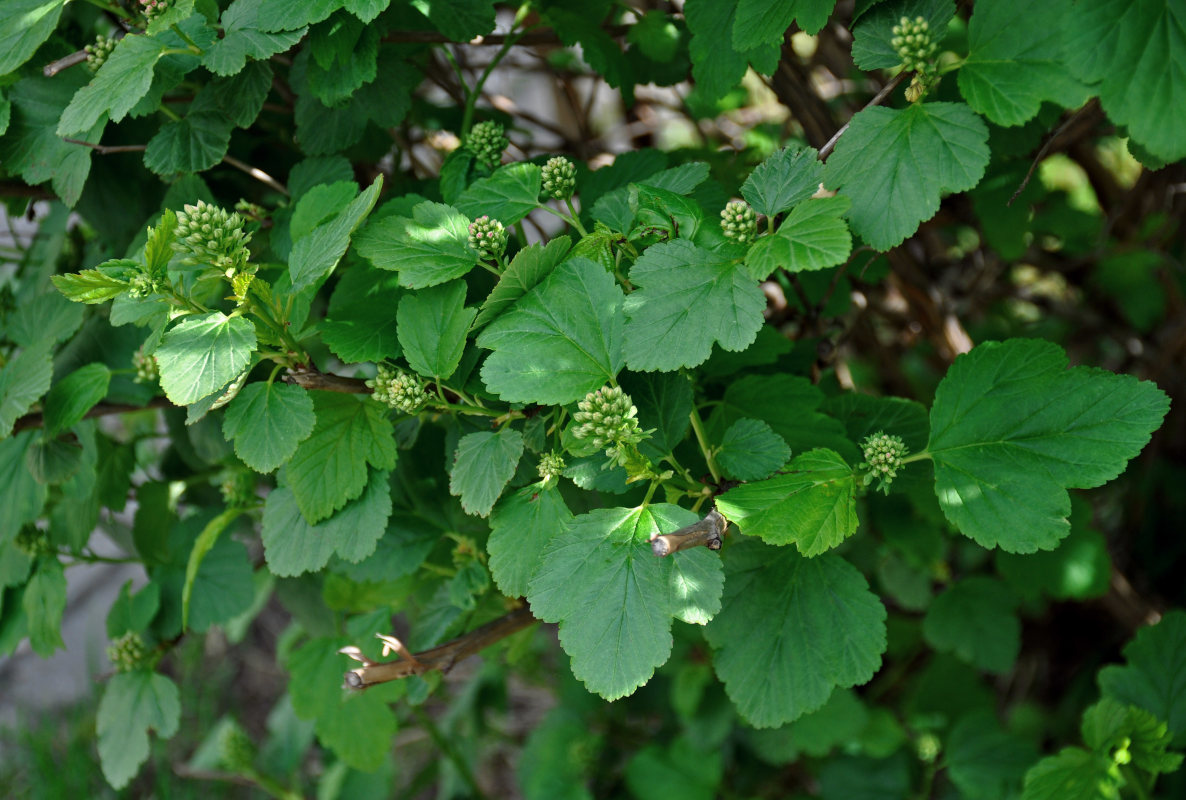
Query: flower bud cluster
{"type": "Point", "coordinates": [151, 9]}
{"type": "Point", "coordinates": [559, 177]}
{"type": "Point", "coordinates": [551, 466]}
{"type": "Point", "coordinates": [884, 456]}
{"type": "Point", "coordinates": [33, 542]}
{"type": "Point", "coordinates": [399, 390]}
{"type": "Point", "coordinates": [128, 652]}
{"type": "Point", "coordinates": [739, 221]}
{"type": "Point", "coordinates": [607, 418]}
{"type": "Point", "coordinates": [488, 237]}
{"type": "Point", "coordinates": [207, 234]}
{"type": "Point", "coordinates": [486, 141]}
{"type": "Point", "coordinates": [97, 53]}
{"type": "Point", "coordinates": [913, 43]}
{"type": "Point", "coordinates": [142, 285]}
{"type": "Point", "coordinates": [145, 366]}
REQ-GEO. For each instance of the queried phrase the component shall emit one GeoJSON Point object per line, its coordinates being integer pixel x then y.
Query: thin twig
{"type": "Point", "coordinates": [37, 419]}
{"type": "Point", "coordinates": [107, 149]}
{"type": "Point", "coordinates": [1086, 109]}
{"type": "Point", "coordinates": [493, 39]}
{"type": "Point", "coordinates": [312, 378]}
{"type": "Point", "coordinates": [885, 92]}
{"type": "Point", "coordinates": [54, 67]}
{"type": "Point", "coordinates": [440, 658]}
{"type": "Point", "coordinates": [707, 532]}
{"type": "Point", "coordinates": [256, 173]}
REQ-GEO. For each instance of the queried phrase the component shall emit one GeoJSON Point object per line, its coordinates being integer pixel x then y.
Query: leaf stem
{"type": "Point", "coordinates": [192, 44]}
{"type": "Point", "coordinates": [472, 96]}
{"type": "Point", "coordinates": [168, 112]}
{"type": "Point", "coordinates": [702, 440]}
{"type": "Point", "coordinates": [576, 218]}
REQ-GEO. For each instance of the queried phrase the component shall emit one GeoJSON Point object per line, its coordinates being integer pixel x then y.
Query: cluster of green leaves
{"type": "Point", "coordinates": [284, 477]}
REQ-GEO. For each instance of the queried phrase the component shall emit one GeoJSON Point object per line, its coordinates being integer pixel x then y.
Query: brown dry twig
{"type": "Point", "coordinates": [707, 532]}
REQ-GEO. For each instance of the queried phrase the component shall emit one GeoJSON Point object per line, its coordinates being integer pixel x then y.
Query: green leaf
{"type": "Point", "coordinates": [1012, 428]}
{"type": "Point", "coordinates": [1072, 774]}
{"type": "Point", "coordinates": [330, 467]}
{"type": "Point", "coordinates": [1109, 725]}
{"type": "Point", "coordinates": [546, 768]}
{"type": "Point", "coordinates": [359, 730]}
{"type": "Point", "coordinates": [267, 422]}
{"type": "Point", "coordinates": [345, 53]}
{"type": "Point", "coordinates": [460, 20]}
{"type": "Point", "coordinates": [784, 180]}
{"type": "Point", "coordinates": [30, 22]}
{"type": "Point", "coordinates": [508, 195]}
{"type": "Point", "coordinates": [976, 619]}
{"type": "Point", "coordinates": [97, 285]}
{"type": "Point", "coordinates": [202, 545]}
{"type": "Point", "coordinates": [432, 327]}
{"type": "Point", "coordinates": [119, 84]}
{"type": "Point", "coordinates": [1152, 677]}
{"type": "Point", "coordinates": [984, 761]}
{"type": "Point", "coordinates": [292, 546]}
{"type": "Point", "coordinates": [527, 269]}
{"type": "Point", "coordinates": [431, 248]}
{"type": "Point", "coordinates": [133, 612]}
{"type": "Point", "coordinates": [366, 10]}
{"type": "Point", "coordinates": [73, 396]}
{"type": "Point", "coordinates": [314, 256]}
{"type": "Point", "coordinates": [223, 587]}
{"type": "Point", "coordinates": [761, 22]}
{"type": "Point", "coordinates": [32, 147]}
{"type": "Point", "coordinates": [560, 341]}
{"type": "Point", "coordinates": [53, 460]}
{"type": "Point", "coordinates": [360, 325]}
{"type": "Point", "coordinates": [716, 66]}
{"type": "Point", "coordinates": [614, 600]}
{"type": "Point", "coordinates": [202, 354]}
{"type": "Point", "coordinates": [812, 237]}
{"type": "Point", "coordinates": [750, 450]}
{"type": "Point", "coordinates": [1011, 70]}
{"type": "Point", "coordinates": [194, 143]}
{"type": "Point", "coordinates": [813, 504]}
{"type": "Point", "coordinates": [44, 603]}
{"type": "Point", "coordinates": [676, 769]}
{"type": "Point", "coordinates": [158, 246]}
{"type": "Point", "coordinates": [286, 15]}
{"type": "Point", "coordinates": [1134, 54]}
{"type": "Point", "coordinates": [133, 703]}
{"type": "Point", "coordinates": [836, 723]}
{"type": "Point", "coordinates": [685, 299]}
{"type": "Point", "coordinates": [243, 38]}
{"type": "Point", "coordinates": [23, 380]}
{"type": "Point", "coordinates": [923, 152]}
{"type": "Point", "coordinates": [872, 47]}
{"type": "Point", "coordinates": [664, 402]}
{"type": "Point", "coordinates": [520, 528]}
{"type": "Point", "coordinates": [792, 629]}
{"type": "Point", "coordinates": [319, 203]}
{"type": "Point", "coordinates": [483, 464]}
{"type": "Point", "coordinates": [21, 496]}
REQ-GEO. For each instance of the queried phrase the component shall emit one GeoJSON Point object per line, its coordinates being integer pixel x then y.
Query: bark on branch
{"type": "Point", "coordinates": [707, 532]}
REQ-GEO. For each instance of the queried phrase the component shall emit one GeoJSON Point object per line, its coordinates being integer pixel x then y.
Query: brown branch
{"type": "Point", "coordinates": [54, 67]}
{"type": "Point", "coordinates": [1089, 108]}
{"type": "Point", "coordinates": [529, 38]}
{"type": "Point", "coordinates": [878, 98]}
{"type": "Point", "coordinates": [16, 189]}
{"type": "Point", "coordinates": [440, 658]}
{"type": "Point", "coordinates": [37, 419]}
{"type": "Point", "coordinates": [312, 378]}
{"type": "Point", "coordinates": [107, 149]}
{"type": "Point", "coordinates": [703, 533]}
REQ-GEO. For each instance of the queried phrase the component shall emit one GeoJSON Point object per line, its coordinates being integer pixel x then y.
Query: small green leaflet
{"type": "Point", "coordinates": [1012, 429]}
{"type": "Point", "coordinates": [716, 65]}
{"type": "Point", "coordinates": [431, 248]}
{"type": "Point", "coordinates": [520, 528]}
{"type": "Point", "coordinates": [1134, 55]}
{"type": "Point", "coordinates": [784, 180]}
{"type": "Point", "coordinates": [98, 285]}
{"type": "Point", "coordinates": [267, 421]}
{"type": "Point", "coordinates": [751, 451]}
{"type": "Point", "coordinates": [529, 266]}
{"type": "Point", "coordinates": [44, 603]}
{"type": "Point", "coordinates": [292, 546]}
{"type": "Point", "coordinates": [976, 619]}
{"type": "Point", "coordinates": [158, 246]}
{"type": "Point", "coordinates": [223, 586]}
{"type": "Point", "coordinates": [686, 299]}
{"type": "Point", "coordinates": [119, 84]}
{"type": "Point", "coordinates": [314, 256]}
{"type": "Point", "coordinates": [1110, 724]}
{"type": "Point", "coordinates": [21, 496]}
{"type": "Point", "coordinates": [1072, 773]}
{"type": "Point", "coordinates": [483, 464]}
{"type": "Point", "coordinates": [319, 203]}
{"type": "Point", "coordinates": [359, 325]}
{"type": "Point", "coordinates": [285, 15]}
{"type": "Point", "coordinates": [243, 39]}
{"type": "Point", "coordinates": [133, 703]}
{"type": "Point", "coordinates": [194, 143]}
{"type": "Point", "coordinates": [792, 629]}
{"type": "Point", "coordinates": [73, 396]}
{"type": "Point", "coordinates": [432, 325]}
{"type": "Point", "coordinates": [508, 195]}
{"type": "Point", "coordinates": [615, 600]}
{"type": "Point", "coordinates": [1012, 69]}
{"type": "Point", "coordinates": [985, 761]}
{"type": "Point", "coordinates": [761, 22]}
{"type": "Point", "coordinates": [48, 315]}
{"type": "Point", "coordinates": [924, 152]}
{"type": "Point", "coordinates": [330, 467]}
{"type": "Point", "coordinates": [1152, 677]}
{"type": "Point", "coordinates": [23, 380]}
{"type": "Point", "coordinates": [30, 22]}
{"type": "Point", "coordinates": [202, 354]}
{"type": "Point", "coordinates": [560, 341]}
{"type": "Point", "coordinates": [813, 504]}
{"type": "Point", "coordinates": [812, 237]}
